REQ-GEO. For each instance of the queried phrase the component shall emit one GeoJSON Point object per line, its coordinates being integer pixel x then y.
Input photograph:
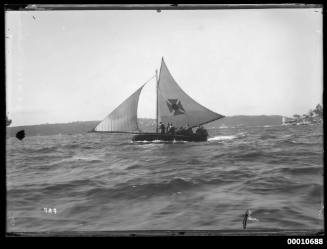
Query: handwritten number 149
{"type": "Point", "coordinates": [50, 210]}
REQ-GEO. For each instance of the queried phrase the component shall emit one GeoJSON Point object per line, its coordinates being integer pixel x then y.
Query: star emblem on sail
{"type": "Point", "coordinates": [175, 106]}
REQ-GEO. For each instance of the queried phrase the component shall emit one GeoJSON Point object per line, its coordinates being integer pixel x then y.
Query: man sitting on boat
{"type": "Point", "coordinates": [171, 129]}
{"type": "Point", "coordinates": [188, 130]}
{"type": "Point", "coordinates": [162, 128]}
{"type": "Point", "coordinates": [168, 128]}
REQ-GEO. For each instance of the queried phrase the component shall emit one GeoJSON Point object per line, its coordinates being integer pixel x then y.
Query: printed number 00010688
{"type": "Point", "coordinates": [307, 241]}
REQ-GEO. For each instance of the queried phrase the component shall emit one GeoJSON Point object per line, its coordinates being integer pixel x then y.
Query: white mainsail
{"type": "Point", "coordinates": [123, 118]}
{"type": "Point", "coordinates": [176, 107]}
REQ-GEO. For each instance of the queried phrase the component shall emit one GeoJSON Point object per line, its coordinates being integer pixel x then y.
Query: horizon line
{"type": "Point", "coordinates": [81, 121]}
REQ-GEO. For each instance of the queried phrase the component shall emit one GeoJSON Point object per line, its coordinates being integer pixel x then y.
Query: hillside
{"type": "Point", "coordinates": [245, 121]}
{"type": "Point", "coordinates": [52, 129]}
{"type": "Point", "coordinates": [144, 124]}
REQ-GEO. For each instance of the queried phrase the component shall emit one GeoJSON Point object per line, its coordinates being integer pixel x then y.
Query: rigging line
{"type": "Point", "coordinates": [149, 79]}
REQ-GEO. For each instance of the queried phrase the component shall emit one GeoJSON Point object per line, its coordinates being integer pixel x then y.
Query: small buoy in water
{"type": "Point", "coordinates": [245, 219]}
{"type": "Point", "coordinates": [20, 135]}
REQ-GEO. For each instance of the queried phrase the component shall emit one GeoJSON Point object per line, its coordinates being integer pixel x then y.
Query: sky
{"type": "Point", "coordinates": [65, 66]}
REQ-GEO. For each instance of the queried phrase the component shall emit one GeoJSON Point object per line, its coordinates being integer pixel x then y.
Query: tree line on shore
{"type": "Point", "coordinates": [313, 115]}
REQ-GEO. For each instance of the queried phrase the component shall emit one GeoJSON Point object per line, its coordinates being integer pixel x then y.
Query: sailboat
{"type": "Point", "coordinates": [288, 121]}
{"type": "Point", "coordinates": [173, 106]}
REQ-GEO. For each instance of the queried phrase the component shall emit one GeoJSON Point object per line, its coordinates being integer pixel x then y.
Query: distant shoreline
{"type": "Point", "coordinates": [150, 119]}
{"type": "Point", "coordinates": [145, 124]}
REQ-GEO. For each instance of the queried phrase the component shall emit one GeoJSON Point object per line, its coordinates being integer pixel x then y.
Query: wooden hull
{"type": "Point", "coordinates": [168, 137]}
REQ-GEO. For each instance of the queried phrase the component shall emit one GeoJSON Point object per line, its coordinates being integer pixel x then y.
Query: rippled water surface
{"type": "Point", "coordinates": [105, 182]}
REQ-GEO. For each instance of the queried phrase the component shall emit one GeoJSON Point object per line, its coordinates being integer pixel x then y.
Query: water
{"type": "Point", "coordinates": [100, 182]}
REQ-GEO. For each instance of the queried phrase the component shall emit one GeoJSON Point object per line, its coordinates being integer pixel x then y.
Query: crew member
{"type": "Point", "coordinates": [189, 130]}
{"type": "Point", "coordinates": [180, 131]}
{"type": "Point", "coordinates": [172, 129]}
{"type": "Point", "coordinates": [198, 131]}
{"type": "Point", "coordinates": [162, 128]}
{"type": "Point", "coordinates": [168, 128]}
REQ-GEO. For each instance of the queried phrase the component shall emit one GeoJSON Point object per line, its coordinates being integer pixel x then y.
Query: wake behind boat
{"type": "Point", "coordinates": [173, 107]}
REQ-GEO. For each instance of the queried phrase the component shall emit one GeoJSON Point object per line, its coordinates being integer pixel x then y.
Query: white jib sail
{"type": "Point", "coordinates": [123, 118]}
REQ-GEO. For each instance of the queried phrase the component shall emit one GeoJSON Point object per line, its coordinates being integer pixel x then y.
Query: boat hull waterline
{"type": "Point", "coordinates": [150, 137]}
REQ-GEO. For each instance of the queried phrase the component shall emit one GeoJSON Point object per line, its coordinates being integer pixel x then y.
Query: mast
{"type": "Point", "coordinates": [157, 82]}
